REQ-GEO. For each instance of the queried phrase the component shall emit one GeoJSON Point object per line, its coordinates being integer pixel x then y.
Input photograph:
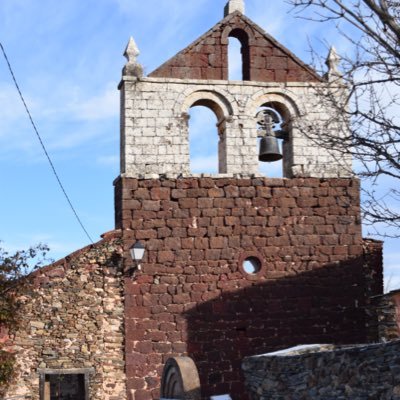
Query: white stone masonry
{"type": "Point", "coordinates": [234, 5]}
{"type": "Point", "coordinates": [155, 128]}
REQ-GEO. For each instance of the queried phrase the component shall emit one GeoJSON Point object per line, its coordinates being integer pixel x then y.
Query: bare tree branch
{"type": "Point", "coordinates": [371, 73]}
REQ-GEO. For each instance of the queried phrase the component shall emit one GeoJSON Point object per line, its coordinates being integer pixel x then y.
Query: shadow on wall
{"type": "Point", "coordinates": [243, 318]}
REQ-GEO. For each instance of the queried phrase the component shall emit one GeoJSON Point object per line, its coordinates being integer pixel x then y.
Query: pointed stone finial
{"type": "Point", "coordinates": [131, 51]}
{"type": "Point", "coordinates": [333, 61]}
{"type": "Point", "coordinates": [132, 67]}
{"type": "Point", "coordinates": [234, 5]}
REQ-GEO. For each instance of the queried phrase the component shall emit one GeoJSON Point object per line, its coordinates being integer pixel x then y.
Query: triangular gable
{"type": "Point", "coordinates": [265, 59]}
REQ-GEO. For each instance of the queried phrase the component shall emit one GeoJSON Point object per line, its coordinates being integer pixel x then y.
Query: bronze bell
{"type": "Point", "coordinates": [269, 145]}
{"type": "Point", "coordinates": [269, 149]}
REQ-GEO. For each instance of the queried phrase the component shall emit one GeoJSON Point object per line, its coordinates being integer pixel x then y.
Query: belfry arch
{"type": "Point", "coordinates": [222, 110]}
{"type": "Point", "coordinates": [243, 39]}
{"type": "Point", "coordinates": [284, 111]}
{"type": "Point", "coordinates": [218, 102]}
{"type": "Point", "coordinates": [203, 139]}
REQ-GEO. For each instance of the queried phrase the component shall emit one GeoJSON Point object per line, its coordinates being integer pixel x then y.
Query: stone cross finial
{"type": "Point", "coordinates": [333, 61]}
{"type": "Point", "coordinates": [234, 5]}
{"type": "Point", "coordinates": [132, 67]}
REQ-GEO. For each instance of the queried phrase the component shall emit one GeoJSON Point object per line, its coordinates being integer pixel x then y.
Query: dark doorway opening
{"type": "Point", "coordinates": [64, 385]}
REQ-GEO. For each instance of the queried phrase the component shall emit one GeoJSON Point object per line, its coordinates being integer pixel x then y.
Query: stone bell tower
{"type": "Point", "coordinates": [235, 263]}
{"type": "Point", "coordinates": [154, 114]}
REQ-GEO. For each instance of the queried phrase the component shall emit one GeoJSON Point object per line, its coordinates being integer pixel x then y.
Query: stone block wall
{"type": "Point", "coordinates": [385, 316]}
{"type": "Point", "coordinates": [72, 318]}
{"type": "Point", "coordinates": [192, 295]}
{"type": "Point", "coordinates": [207, 57]}
{"type": "Point", "coordinates": [325, 373]}
{"type": "Point", "coordinates": [155, 127]}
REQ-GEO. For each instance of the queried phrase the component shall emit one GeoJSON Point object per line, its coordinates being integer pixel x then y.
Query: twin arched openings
{"type": "Point", "coordinates": [209, 143]}
{"type": "Point", "coordinates": [208, 139]}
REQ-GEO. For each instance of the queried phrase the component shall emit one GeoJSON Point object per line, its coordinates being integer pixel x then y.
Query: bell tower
{"type": "Point", "coordinates": [154, 109]}
{"type": "Point", "coordinates": [235, 263]}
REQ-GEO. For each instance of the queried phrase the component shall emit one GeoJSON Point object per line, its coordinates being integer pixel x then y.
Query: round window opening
{"type": "Point", "coordinates": [252, 265]}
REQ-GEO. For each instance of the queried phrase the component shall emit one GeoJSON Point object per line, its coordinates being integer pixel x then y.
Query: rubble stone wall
{"type": "Point", "coordinates": [385, 316]}
{"type": "Point", "coordinates": [72, 318]}
{"type": "Point", "coordinates": [192, 295]}
{"type": "Point", "coordinates": [356, 373]}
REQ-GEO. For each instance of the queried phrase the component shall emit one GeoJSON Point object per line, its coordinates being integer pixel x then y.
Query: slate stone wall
{"type": "Point", "coordinates": [385, 316]}
{"type": "Point", "coordinates": [72, 318]}
{"type": "Point", "coordinates": [356, 373]}
{"type": "Point", "coordinates": [193, 297]}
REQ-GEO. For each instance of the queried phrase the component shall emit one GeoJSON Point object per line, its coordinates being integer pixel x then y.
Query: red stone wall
{"type": "Point", "coordinates": [207, 58]}
{"type": "Point", "coordinates": [192, 297]}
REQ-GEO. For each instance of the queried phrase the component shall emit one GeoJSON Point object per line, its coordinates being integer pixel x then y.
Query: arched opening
{"type": "Point", "coordinates": [238, 55]}
{"type": "Point", "coordinates": [235, 62]}
{"type": "Point", "coordinates": [203, 139]}
{"type": "Point", "coordinates": [277, 117]}
{"type": "Point", "coordinates": [209, 115]}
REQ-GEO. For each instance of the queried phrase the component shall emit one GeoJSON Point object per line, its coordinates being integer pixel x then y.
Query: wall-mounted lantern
{"type": "Point", "coordinates": [137, 253]}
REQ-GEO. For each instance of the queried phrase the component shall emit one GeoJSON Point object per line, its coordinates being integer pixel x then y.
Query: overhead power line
{"type": "Point", "coordinates": [43, 146]}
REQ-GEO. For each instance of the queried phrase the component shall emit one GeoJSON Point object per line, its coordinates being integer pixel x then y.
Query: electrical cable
{"type": "Point", "coordinates": [43, 146]}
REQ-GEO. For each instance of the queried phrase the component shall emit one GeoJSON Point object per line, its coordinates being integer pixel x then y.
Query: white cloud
{"type": "Point", "coordinates": [66, 118]}
{"type": "Point", "coordinates": [102, 106]}
{"type": "Point", "coordinates": [10, 104]}
{"type": "Point", "coordinates": [57, 249]}
{"type": "Point", "coordinates": [65, 100]}
{"type": "Point", "coordinates": [73, 138]}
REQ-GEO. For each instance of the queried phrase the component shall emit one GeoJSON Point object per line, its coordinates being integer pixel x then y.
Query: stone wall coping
{"type": "Point", "coordinates": [276, 181]}
{"type": "Point", "coordinates": [299, 350]}
{"type": "Point", "coordinates": [372, 240]}
{"type": "Point", "coordinates": [220, 82]}
{"type": "Point", "coordinates": [189, 176]}
{"type": "Point", "coordinates": [223, 176]}
{"type": "Point", "coordinates": [388, 294]}
{"type": "Point", "coordinates": [302, 350]}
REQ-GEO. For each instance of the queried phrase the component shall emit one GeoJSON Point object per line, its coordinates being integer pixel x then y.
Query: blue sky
{"type": "Point", "coordinates": [67, 57]}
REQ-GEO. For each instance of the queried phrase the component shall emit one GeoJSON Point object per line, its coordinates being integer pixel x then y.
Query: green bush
{"type": "Point", "coordinates": [7, 361]}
